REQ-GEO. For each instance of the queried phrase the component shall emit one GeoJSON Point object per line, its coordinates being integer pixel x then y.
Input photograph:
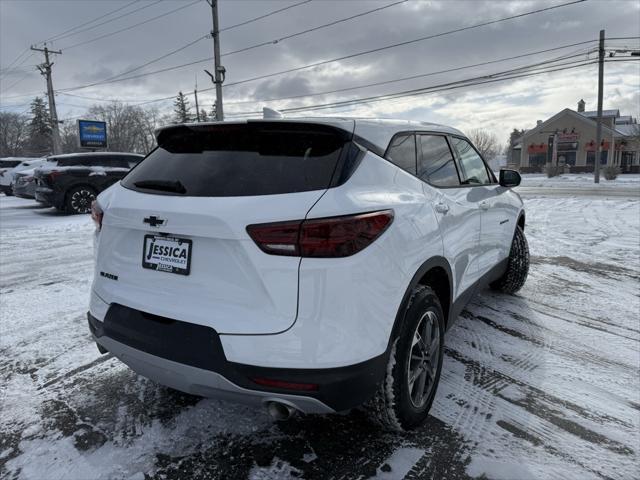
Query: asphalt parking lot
{"type": "Point", "coordinates": [544, 384]}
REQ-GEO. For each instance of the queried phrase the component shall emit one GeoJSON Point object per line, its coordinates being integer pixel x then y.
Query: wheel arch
{"type": "Point", "coordinates": [436, 274]}
{"type": "Point", "coordinates": [521, 219]}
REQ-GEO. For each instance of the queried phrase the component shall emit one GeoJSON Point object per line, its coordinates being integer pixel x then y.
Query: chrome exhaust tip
{"type": "Point", "coordinates": [280, 411]}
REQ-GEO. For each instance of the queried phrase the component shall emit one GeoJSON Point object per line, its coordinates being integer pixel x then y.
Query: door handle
{"type": "Point", "coordinates": [484, 205]}
{"type": "Point", "coordinates": [442, 207]}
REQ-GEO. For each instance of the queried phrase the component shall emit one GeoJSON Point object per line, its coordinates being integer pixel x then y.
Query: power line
{"type": "Point", "coordinates": [246, 22]}
{"type": "Point", "coordinates": [18, 81]}
{"type": "Point", "coordinates": [16, 59]}
{"type": "Point", "coordinates": [132, 26]}
{"type": "Point", "coordinates": [107, 21]}
{"type": "Point", "coordinates": [448, 88]}
{"type": "Point", "coordinates": [309, 30]}
{"type": "Point", "coordinates": [499, 76]}
{"type": "Point", "coordinates": [433, 73]}
{"type": "Point", "coordinates": [179, 49]}
{"type": "Point", "coordinates": [270, 42]}
{"type": "Point", "coordinates": [87, 23]}
{"type": "Point", "coordinates": [368, 85]}
{"type": "Point", "coordinates": [162, 57]}
{"type": "Point", "coordinates": [413, 77]}
{"type": "Point", "coordinates": [324, 62]}
{"type": "Point", "coordinates": [420, 39]}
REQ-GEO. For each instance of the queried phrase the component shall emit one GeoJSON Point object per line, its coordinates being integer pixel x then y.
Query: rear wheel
{"type": "Point", "coordinates": [79, 200]}
{"type": "Point", "coordinates": [413, 371]}
{"type": "Point", "coordinates": [9, 191]}
{"type": "Point", "coordinates": [518, 266]}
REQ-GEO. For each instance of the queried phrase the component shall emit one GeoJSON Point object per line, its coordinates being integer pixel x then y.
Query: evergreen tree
{"type": "Point", "coordinates": [203, 115]}
{"type": "Point", "coordinates": [181, 109]}
{"type": "Point", "coordinates": [39, 142]}
{"type": "Point", "coordinates": [513, 139]}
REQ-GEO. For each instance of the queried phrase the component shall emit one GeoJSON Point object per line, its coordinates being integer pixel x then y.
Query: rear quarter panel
{"type": "Point", "coordinates": [347, 306]}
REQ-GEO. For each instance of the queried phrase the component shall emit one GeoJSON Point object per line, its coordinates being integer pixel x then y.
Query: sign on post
{"type": "Point", "coordinates": [92, 134]}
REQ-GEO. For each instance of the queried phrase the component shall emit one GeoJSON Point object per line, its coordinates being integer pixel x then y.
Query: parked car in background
{"type": "Point", "coordinates": [10, 166]}
{"type": "Point", "coordinates": [74, 180]}
{"type": "Point", "coordinates": [309, 265]}
{"type": "Point", "coordinates": [24, 184]}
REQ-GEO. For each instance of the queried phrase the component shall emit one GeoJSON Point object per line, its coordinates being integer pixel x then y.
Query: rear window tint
{"type": "Point", "coordinates": [9, 163]}
{"type": "Point", "coordinates": [402, 152]}
{"type": "Point", "coordinates": [240, 160]}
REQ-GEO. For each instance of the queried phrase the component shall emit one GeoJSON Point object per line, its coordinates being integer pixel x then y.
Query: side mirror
{"type": "Point", "coordinates": [509, 178]}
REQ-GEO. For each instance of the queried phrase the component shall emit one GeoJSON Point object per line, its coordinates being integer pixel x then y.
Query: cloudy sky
{"type": "Point", "coordinates": [93, 53]}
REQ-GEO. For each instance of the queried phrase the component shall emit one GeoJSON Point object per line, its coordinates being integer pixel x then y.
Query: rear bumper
{"type": "Point", "coordinates": [191, 358]}
{"type": "Point", "coordinates": [46, 196]}
{"type": "Point", "coordinates": [24, 191]}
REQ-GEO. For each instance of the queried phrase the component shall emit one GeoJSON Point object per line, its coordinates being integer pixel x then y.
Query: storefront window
{"type": "Point", "coordinates": [537, 160]}
{"type": "Point", "coordinates": [567, 158]}
{"type": "Point", "coordinates": [592, 155]}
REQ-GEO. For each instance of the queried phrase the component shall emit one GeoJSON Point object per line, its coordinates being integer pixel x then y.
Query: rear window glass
{"type": "Point", "coordinates": [436, 165]}
{"type": "Point", "coordinates": [9, 163]}
{"type": "Point", "coordinates": [240, 160]}
{"type": "Point", "coordinates": [402, 152]}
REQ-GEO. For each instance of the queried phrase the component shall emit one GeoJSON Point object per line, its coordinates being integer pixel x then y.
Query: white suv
{"type": "Point", "coordinates": [310, 265]}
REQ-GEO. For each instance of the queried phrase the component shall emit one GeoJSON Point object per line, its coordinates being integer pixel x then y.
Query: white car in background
{"type": "Point", "coordinates": [11, 165]}
{"type": "Point", "coordinates": [308, 265]}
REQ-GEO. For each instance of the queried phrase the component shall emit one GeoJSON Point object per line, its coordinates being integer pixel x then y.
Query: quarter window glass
{"type": "Point", "coordinates": [473, 170]}
{"type": "Point", "coordinates": [402, 152]}
{"type": "Point", "coordinates": [436, 165]}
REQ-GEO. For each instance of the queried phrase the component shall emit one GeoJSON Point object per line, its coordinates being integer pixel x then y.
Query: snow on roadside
{"type": "Point", "coordinates": [541, 384]}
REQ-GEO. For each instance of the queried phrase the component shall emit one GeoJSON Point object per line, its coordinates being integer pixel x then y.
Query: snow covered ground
{"type": "Point", "coordinates": [544, 384]}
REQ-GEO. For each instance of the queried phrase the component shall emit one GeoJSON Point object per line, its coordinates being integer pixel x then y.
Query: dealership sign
{"type": "Point", "coordinates": [92, 134]}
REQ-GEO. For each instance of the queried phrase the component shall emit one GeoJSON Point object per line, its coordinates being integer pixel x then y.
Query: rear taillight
{"type": "Point", "coordinates": [53, 174]}
{"type": "Point", "coordinates": [96, 214]}
{"type": "Point", "coordinates": [321, 237]}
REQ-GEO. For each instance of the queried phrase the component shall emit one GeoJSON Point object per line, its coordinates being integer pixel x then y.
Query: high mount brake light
{"type": "Point", "coordinates": [321, 237]}
{"type": "Point", "coordinates": [96, 214]}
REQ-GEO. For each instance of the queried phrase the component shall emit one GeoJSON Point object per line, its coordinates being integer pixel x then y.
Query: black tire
{"type": "Point", "coordinates": [518, 267]}
{"type": "Point", "coordinates": [393, 406]}
{"type": "Point", "coordinates": [78, 200]}
{"type": "Point", "coordinates": [9, 191]}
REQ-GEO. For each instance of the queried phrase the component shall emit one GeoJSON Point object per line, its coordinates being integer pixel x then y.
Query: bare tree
{"type": "Point", "coordinates": [129, 128]}
{"type": "Point", "coordinates": [486, 142]}
{"type": "Point", "coordinates": [13, 134]}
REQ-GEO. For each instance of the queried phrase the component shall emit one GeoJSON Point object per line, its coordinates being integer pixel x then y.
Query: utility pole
{"type": "Point", "coordinates": [596, 171]}
{"type": "Point", "coordinates": [45, 70]}
{"type": "Point", "coordinates": [195, 94]}
{"type": "Point", "coordinates": [219, 70]}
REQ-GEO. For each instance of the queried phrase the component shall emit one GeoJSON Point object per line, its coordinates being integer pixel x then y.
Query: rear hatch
{"type": "Point", "coordinates": [174, 238]}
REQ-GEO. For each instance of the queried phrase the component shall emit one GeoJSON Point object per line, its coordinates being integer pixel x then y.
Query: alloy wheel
{"type": "Point", "coordinates": [81, 200]}
{"type": "Point", "coordinates": [424, 357]}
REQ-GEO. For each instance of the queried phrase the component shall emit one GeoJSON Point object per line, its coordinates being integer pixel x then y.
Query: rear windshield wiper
{"type": "Point", "coordinates": [162, 185]}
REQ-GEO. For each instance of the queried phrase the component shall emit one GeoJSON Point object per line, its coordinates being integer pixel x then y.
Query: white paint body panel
{"type": "Point", "coordinates": [287, 312]}
{"type": "Point", "coordinates": [347, 306]}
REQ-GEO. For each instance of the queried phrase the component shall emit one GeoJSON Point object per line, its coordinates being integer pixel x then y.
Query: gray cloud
{"type": "Point", "coordinates": [26, 22]}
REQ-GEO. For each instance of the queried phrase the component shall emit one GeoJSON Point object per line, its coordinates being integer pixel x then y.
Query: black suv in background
{"type": "Point", "coordinates": [74, 180]}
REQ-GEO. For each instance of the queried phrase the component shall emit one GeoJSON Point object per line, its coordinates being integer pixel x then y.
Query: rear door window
{"type": "Point", "coordinates": [260, 158]}
{"type": "Point", "coordinates": [402, 152]}
{"type": "Point", "coordinates": [436, 165]}
{"type": "Point", "coordinates": [473, 170]}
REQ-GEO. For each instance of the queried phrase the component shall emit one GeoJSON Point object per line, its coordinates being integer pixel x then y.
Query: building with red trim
{"type": "Point", "coordinates": [575, 133]}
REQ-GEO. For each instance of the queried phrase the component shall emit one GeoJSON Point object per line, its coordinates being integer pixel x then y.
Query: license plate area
{"type": "Point", "coordinates": [165, 253]}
